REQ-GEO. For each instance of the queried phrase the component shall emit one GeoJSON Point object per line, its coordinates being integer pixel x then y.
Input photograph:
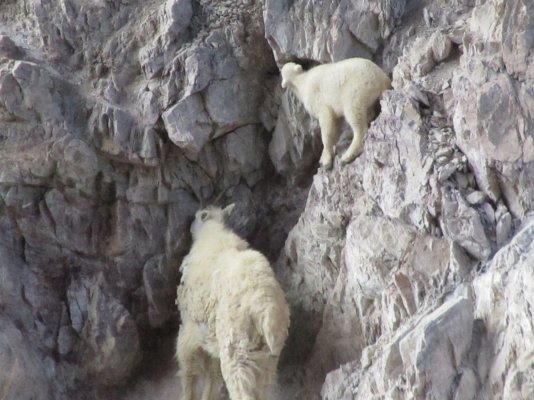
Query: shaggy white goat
{"type": "Point", "coordinates": [234, 314]}
{"type": "Point", "coordinates": [348, 88]}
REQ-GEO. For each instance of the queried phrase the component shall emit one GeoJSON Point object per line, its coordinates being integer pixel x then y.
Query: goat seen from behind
{"type": "Point", "coordinates": [235, 317]}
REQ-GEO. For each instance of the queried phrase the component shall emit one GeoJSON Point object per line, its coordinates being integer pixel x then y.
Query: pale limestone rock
{"type": "Point", "coordinates": [423, 359]}
{"type": "Point", "coordinates": [178, 14]}
{"type": "Point", "coordinates": [475, 198]}
{"type": "Point", "coordinates": [459, 179]}
{"type": "Point", "coordinates": [496, 146]}
{"type": "Point", "coordinates": [441, 46]}
{"type": "Point", "coordinates": [461, 264]}
{"type": "Point", "coordinates": [434, 350]}
{"type": "Point", "coordinates": [504, 225]}
{"type": "Point", "coordinates": [462, 224]}
{"type": "Point", "coordinates": [504, 298]}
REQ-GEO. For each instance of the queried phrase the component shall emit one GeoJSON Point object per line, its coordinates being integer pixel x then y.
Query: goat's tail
{"type": "Point", "coordinates": [274, 324]}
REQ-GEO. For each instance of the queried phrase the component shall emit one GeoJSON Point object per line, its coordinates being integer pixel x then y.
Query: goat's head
{"type": "Point", "coordinates": [210, 213]}
{"type": "Point", "coordinates": [289, 71]}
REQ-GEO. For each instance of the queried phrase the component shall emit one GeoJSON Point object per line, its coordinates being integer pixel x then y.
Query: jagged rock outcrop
{"type": "Point", "coordinates": [116, 120]}
{"type": "Point", "coordinates": [411, 238]}
{"type": "Point", "coordinates": [408, 271]}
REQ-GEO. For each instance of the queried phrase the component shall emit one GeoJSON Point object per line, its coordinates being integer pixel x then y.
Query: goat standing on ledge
{"type": "Point", "coordinates": [348, 88]}
{"type": "Point", "coordinates": [234, 314]}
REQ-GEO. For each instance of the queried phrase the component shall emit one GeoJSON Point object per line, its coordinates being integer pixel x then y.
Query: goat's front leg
{"type": "Point", "coordinates": [327, 122]}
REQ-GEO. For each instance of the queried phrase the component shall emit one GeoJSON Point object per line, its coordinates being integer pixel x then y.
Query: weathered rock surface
{"type": "Point", "coordinates": [409, 271]}
{"type": "Point", "coordinates": [329, 31]}
{"type": "Point", "coordinates": [117, 119]}
{"type": "Point", "coordinates": [408, 236]}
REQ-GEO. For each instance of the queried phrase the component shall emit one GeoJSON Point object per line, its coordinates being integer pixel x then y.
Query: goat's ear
{"type": "Point", "coordinates": [228, 209]}
{"type": "Point", "coordinates": [204, 214]}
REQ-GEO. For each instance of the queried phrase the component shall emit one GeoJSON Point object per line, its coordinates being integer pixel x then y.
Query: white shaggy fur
{"type": "Point", "coordinates": [234, 314]}
{"type": "Point", "coordinates": [348, 88]}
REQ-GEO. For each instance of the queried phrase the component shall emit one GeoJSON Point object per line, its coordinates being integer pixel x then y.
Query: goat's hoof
{"type": "Point", "coordinates": [326, 167]}
{"type": "Point", "coordinates": [345, 161]}
{"type": "Point", "coordinates": [348, 158]}
{"type": "Point", "coordinates": [326, 161]}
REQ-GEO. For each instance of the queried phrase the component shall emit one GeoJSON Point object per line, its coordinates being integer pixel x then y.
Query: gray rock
{"type": "Point", "coordinates": [496, 147]}
{"type": "Point", "coordinates": [436, 348]}
{"type": "Point", "coordinates": [426, 354]}
{"type": "Point", "coordinates": [328, 32]}
{"type": "Point", "coordinates": [295, 144]}
{"type": "Point", "coordinates": [467, 388]}
{"type": "Point", "coordinates": [179, 14]}
{"type": "Point", "coordinates": [463, 225]}
{"type": "Point", "coordinates": [504, 225]}
{"type": "Point", "coordinates": [504, 303]}
{"type": "Point", "coordinates": [245, 152]}
{"type": "Point", "coordinates": [189, 125]}
{"type": "Point", "coordinates": [23, 371]}
{"type": "Point", "coordinates": [105, 329]}
{"type": "Point", "coordinates": [441, 47]}
{"type": "Point", "coordinates": [231, 104]}
{"type": "Point", "coordinates": [66, 340]}
{"type": "Point", "coordinates": [116, 133]}
{"type": "Point", "coordinates": [8, 48]}
{"type": "Point", "coordinates": [199, 67]}
{"type": "Point", "coordinates": [155, 272]}
{"type": "Point", "coordinates": [461, 264]}
{"type": "Point", "coordinates": [475, 198]}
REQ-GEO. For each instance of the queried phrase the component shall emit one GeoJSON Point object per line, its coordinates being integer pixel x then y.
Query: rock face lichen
{"type": "Point", "coordinates": [409, 272]}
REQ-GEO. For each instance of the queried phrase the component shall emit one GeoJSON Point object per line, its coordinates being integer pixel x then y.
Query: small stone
{"type": "Point", "coordinates": [461, 179]}
{"type": "Point", "coordinates": [188, 125]}
{"type": "Point", "coordinates": [460, 263]}
{"type": "Point", "coordinates": [8, 48]}
{"type": "Point", "coordinates": [441, 47]}
{"type": "Point", "coordinates": [476, 198]}
{"type": "Point", "coordinates": [65, 340]}
{"type": "Point", "coordinates": [446, 172]}
{"type": "Point", "coordinates": [504, 227]}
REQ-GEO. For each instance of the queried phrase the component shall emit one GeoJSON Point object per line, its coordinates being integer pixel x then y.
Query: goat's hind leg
{"type": "Point", "coordinates": [191, 359]}
{"type": "Point", "coordinates": [239, 376]}
{"type": "Point", "coordinates": [357, 119]}
{"type": "Point", "coordinates": [213, 380]}
{"type": "Point", "coordinates": [187, 382]}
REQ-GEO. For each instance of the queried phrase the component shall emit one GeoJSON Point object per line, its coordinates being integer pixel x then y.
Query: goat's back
{"type": "Point", "coordinates": [196, 298]}
{"type": "Point", "coordinates": [251, 323]}
{"type": "Point", "coordinates": [251, 301]}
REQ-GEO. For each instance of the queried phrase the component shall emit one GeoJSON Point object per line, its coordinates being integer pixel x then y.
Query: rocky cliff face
{"type": "Point", "coordinates": [409, 271]}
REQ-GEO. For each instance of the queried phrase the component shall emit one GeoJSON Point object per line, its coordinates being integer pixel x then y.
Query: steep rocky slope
{"type": "Point", "coordinates": [409, 271]}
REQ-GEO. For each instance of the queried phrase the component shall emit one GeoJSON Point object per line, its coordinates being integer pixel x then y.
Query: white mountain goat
{"type": "Point", "coordinates": [235, 317]}
{"type": "Point", "coordinates": [348, 88]}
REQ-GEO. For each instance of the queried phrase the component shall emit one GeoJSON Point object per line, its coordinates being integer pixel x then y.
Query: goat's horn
{"type": "Point", "coordinates": [219, 196]}
{"type": "Point", "coordinates": [201, 203]}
